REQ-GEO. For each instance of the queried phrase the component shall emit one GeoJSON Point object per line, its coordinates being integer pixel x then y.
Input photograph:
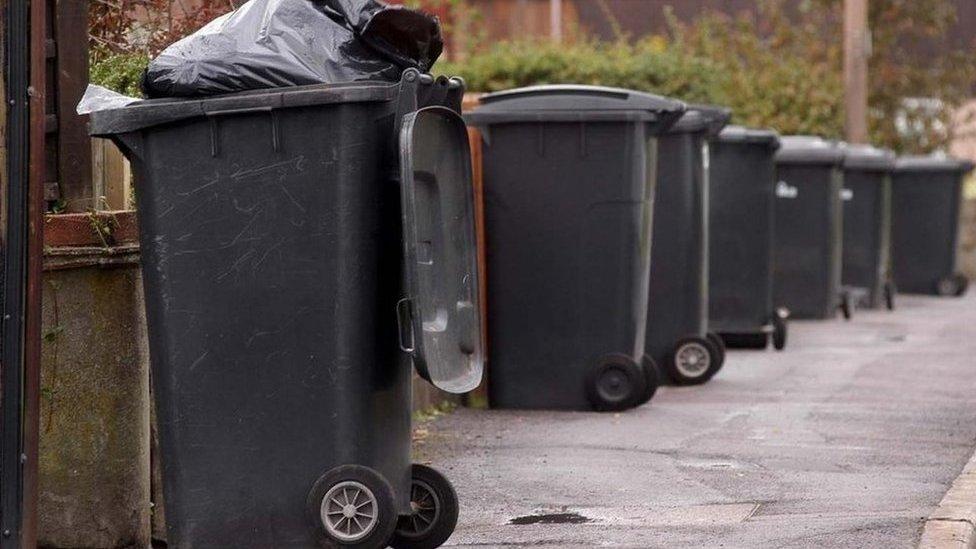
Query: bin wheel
{"type": "Point", "coordinates": [780, 331]}
{"type": "Point", "coordinates": [652, 380]}
{"type": "Point", "coordinates": [952, 286]}
{"type": "Point", "coordinates": [889, 295]}
{"type": "Point", "coordinates": [615, 383]}
{"type": "Point", "coordinates": [719, 344]}
{"type": "Point", "coordinates": [693, 361]}
{"type": "Point", "coordinates": [962, 285]}
{"type": "Point", "coordinates": [350, 507]}
{"type": "Point", "coordinates": [846, 307]}
{"type": "Point", "coordinates": [435, 511]}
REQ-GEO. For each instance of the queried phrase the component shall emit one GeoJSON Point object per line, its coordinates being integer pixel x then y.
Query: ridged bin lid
{"type": "Point", "coordinates": [154, 112]}
{"type": "Point", "coordinates": [809, 149]}
{"type": "Point", "coordinates": [707, 118]}
{"type": "Point", "coordinates": [570, 102]}
{"type": "Point", "coordinates": [868, 158]}
{"type": "Point", "coordinates": [933, 163]}
{"type": "Point", "coordinates": [742, 134]}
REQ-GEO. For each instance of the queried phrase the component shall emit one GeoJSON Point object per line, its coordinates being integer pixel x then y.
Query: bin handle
{"type": "Point", "coordinates": [400, 309]}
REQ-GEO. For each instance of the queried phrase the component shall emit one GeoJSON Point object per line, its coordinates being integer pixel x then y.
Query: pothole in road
{"type": "Point", "coordinates": [551, 518]}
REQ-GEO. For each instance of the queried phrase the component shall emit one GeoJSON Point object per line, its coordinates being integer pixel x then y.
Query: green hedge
{"type": "Point", "coordinates": [119, 72]}
{"type": "Point", "coordinates": [648, 65]}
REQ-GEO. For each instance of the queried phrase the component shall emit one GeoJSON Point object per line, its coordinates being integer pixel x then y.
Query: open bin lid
{"type": "Point", "coordinates": [809, 149]}
{"type": "Point", "coordinates": [742, 134]}
{"type": "Point", "coordinates": [868, 158]}
{"type": "Point", "coordinates": [933, 163]}
{"type": "Point", "coordinates": [440, 314]}
{"type": "Point", "coordinates": [703, 118]}
{"type": "Point", "coordinates": [575, 103]}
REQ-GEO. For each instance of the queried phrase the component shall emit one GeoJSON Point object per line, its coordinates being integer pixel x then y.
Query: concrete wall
{"type": "Point", "coordinates": [94, 460]}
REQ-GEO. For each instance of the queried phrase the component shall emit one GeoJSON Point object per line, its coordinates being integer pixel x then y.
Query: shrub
{"type": "Point", "coordinates": [119, 72]}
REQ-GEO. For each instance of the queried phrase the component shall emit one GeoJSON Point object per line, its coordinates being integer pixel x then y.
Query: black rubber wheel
{"type": "Point", "coordinates": [889, 295]}
{"type": "Point", "coordinates": [757, 341]}
{"type": "Point", "coordinates": [962, 285]}
{"type": "Point", "coordinates": [846, 307]}
{"type": "Point", "coordinates": [652, 380]}
{"type": "Point", "coordinates": [948, 286]}
{"type": "Point", "coordinates": [780, 331]}
{"type": "Point", "coordinates": [351, 507]}
{"type": "Point", "coordinates": [435, 511]}
{"type": "Point", "coordinates": [719, 346]}
{"type": "Point", "coordinates": [616, 383]}
{"type": "Point", "coordinates": [693, 361]}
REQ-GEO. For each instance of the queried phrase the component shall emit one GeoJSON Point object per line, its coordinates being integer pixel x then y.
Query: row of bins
{"type": "Point", "coordinates": [631, 238]}
{"type": "Point", "coordinates": [304, 248]}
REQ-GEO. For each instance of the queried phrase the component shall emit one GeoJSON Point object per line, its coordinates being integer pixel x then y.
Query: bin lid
{"type": "Point", "coordinates": [572, 103]}
{"type": "Point", "coordinates": [440, 315]}
{"type": "Point", "coordinates": [154, 112]}
{"type": "Point", "coordinates": [809, 149]}
{"type": "Point", "coordinates": [933, 163]}
{"type": "Point", "coordinates": [702, 118]}
{"type": "Point", "coordinates": [742, 134]}
{"type": "Point", "coordinates": [868, 158]}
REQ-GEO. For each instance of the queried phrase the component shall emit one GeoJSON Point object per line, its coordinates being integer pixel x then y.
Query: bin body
{"type": "Point", "coordinates": [678, 291]}
{"type": "Point", "coordinates": [926, 200]}
{"type": "Point", "coordinates": [741, 204]}
{"type": "Point", "coordinates": [568, 186]}
{"type": "Point", "coordinates": [272, 257]}
{"type": "Point", "coordinates": [866, 202]}
{"type": "Point", "coordinates": [807, 234]}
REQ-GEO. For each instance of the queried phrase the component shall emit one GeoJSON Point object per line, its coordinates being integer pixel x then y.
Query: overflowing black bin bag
{"type": "Point", "coordinates": [276, 43]}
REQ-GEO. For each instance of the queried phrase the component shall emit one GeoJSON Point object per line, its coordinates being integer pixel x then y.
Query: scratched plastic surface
{"type": "Point", "coordinates": [740, 228]}
{"type": "Point", "coordinates": [926, 196]}
{"type": "Point", "coordinates": [867, 221]}
{"type": "Point", "coordinates": [677, 302]}
{"type": "Point", "coordinates": [272, 259]}
{"type": "Point", "coordinates": [569, 186]}
{"type": "Point", "coordinates": [808, 227]}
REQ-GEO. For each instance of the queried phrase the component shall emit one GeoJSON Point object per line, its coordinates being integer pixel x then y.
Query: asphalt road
{"type": "Point", "coordinates": [849, 438]}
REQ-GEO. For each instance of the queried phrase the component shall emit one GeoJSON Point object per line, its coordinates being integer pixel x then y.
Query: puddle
{"type": "Point", "coordinates": [551, 518]}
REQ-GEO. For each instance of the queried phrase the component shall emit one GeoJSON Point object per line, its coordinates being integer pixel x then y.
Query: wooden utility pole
{"type": "Point", "coordinates": [556, 20]}
{"type": "Point", "coordinates": [857, 49]}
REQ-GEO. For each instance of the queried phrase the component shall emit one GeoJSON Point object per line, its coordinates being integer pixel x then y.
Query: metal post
{"type": "Point", "coordinates": [857, 49]}
{"type": "Point", "coordinates": [20, 249]}
{"type": "Point", "coordinates": [556, 20]}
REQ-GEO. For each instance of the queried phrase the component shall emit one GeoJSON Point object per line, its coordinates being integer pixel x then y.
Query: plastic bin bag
{"type": "Point", "coordinates": [276, 43]}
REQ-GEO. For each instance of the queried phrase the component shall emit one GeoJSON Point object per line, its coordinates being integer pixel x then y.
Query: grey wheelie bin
{"type": "Point", "coordinates": [866, 201]}
{"type": "Point", "coordinates": [808, 228]}
{"type": "Point", "coordinates": [740, 227]}
{"type": "Point", "coordinates": [569, 175]}
{"type": "Point", "coordinates": [301, 247]}
{"type": "Point", "coordinates": [926, 198]}
{"type": "Point", "coordinates": [678, 340]}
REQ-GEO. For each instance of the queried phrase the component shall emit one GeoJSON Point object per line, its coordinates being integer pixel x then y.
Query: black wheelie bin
{"type": "Point", "coordinates": [866, 199]}
{"type": "Point", "coordinates": [808, 228]}
{"type": "Point", "coordinates": [301, 247]}
{"type": "Point", "coordinates": [926, 198]}
{"type": "Point", "coordinates": [569, 175]}
{"type": "Point", "coordinates": [678, 340]}
{"type": "Point", "coordinates": [740, 227]}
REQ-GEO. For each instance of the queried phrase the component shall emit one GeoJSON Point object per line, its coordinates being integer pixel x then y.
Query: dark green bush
{"type": "Point", "coordinates": [648, 65]}
{"type": "Point", "coordinates": [119, 72]}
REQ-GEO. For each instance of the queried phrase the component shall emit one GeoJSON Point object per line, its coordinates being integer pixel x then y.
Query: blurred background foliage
{"type": "Point", "coordinates": [782, 70]}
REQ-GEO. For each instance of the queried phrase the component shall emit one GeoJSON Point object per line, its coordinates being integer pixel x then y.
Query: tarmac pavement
{"type": "Point", "coordinates": [849, 438]}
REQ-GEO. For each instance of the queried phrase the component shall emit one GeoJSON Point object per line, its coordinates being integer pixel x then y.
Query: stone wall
{"type": "Point", "coordinates": [94, 444]}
